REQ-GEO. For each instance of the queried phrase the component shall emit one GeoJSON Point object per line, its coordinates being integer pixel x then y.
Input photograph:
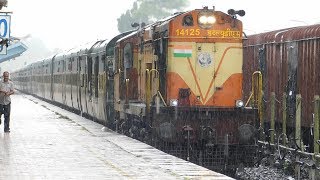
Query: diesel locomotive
{"type": "Point", "coordinates": [176, 84]}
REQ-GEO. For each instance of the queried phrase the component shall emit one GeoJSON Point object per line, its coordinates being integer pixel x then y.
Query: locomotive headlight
{"type": "Point", "coordinates": [239, 103]}
{"type": "Point", "coordinates": [206, 20]}
{"type": "Point", "coordinates": [173, 102]}
{"type": "Point", "coordinates": [203, 19]}
{"type": "Point", "coordinates": [211, 19]}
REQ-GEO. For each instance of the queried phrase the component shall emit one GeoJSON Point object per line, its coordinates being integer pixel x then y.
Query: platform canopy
{"type": "Point", "coordinates": [13, 51]}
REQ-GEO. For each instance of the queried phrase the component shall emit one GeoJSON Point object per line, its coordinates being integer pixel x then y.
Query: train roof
{"type": "Point", "coordinates": [102, 45]}
{"type": "Point", "coordinates": [147, 27]}
{"type": "Point", "coordinates": [82, 49]}
{"type": "Point", "coordinates": [49, 58]}
{"type": "Point", "coordinates": [99, 47]}
{"type": "Point", "coordinates": [59, 55]}
{"type": "Point", "coordinates": [285, 35]}
{"type": "Point", "coordinates": [112, 42]}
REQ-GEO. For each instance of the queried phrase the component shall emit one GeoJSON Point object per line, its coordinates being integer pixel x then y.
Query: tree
{"type": "Point", "coordinates": [149, 11]}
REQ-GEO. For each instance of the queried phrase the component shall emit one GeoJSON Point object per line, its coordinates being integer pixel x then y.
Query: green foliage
{"type": "Point", "coordinates": [149, 11]}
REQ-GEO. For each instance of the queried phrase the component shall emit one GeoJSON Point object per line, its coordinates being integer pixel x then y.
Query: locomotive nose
{"type": "Point", "coordinates": [246, 133]}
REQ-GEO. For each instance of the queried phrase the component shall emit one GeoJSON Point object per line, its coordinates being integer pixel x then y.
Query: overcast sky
{"type": "Point", "coordinates": [65, 23]}
{"type": "Point", "coordinates": [269, 15]}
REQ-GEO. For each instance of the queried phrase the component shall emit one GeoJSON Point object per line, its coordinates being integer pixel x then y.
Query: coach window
{"type": "Point", "coordinates": [96, 73]}
{"type": "Point", "coordinates": [70, 65]}
{"type": "Point", "coordinates": [127, 55]}
{"type": "Point", "coordinates": [116, 61]}
{"type": "Point", "coordinates": [104, 63]}
{"type": "Point", "coordinates": [58, 69]}
{"type": "Point", "coordinates": [64, 66]}
{"type": "Point", "coordinates": [127, 58]}
{"type": "Point", "coordinates": [102, 71]}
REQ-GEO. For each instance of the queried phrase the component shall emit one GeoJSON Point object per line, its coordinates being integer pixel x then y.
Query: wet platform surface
{"type": "Point", "coordinates": [47, 142]}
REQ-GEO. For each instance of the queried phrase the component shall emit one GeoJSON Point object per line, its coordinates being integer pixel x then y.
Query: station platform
{"type": "Point", "coordinates": [47, 142]}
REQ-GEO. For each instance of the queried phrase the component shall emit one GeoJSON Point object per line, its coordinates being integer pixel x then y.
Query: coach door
{"type": "Point", "coordinates": [89, 85]}
{"type": "Point", "coordinates": [64, 79]}
{"type": "Point", "coordinates": [110, 91]}
{"type": "Point", "coordinates": [292, 80]}
{"type": "Point", "coordinates": [161, 64]}
{"type": "Point", "coordinates": [52, 80]}
{"type": "Point", "coordinates": [79, 83]}
{"type": "Point", "coordinates": [84, 85]}
{"type": "Point", "coordinates": [95, 88]}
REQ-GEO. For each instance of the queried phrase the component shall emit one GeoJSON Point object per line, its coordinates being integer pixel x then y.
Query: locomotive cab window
{"type": "Point", "coordinates": [187, 20]}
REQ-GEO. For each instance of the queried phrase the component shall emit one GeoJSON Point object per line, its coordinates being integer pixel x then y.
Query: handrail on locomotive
{"type": "Point", "coordinates": [148, 90]}
{"type": "Point", "coordinates": [256, 94]}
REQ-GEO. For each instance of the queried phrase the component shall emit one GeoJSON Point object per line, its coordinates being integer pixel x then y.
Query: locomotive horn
{"type": "Point", "coordinates": [233, 12]}
{"type": "Point", "coordinates": [241, 12]}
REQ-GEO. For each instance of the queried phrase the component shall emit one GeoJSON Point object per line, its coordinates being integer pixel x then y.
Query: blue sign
{"type": "Point", "coordinates": [4, 27]}
{"type": "Point", "coordinates": [4, 31]}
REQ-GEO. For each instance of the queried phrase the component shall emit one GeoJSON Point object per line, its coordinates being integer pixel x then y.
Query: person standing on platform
{"type": "Point", "coordinates": [6, 90]}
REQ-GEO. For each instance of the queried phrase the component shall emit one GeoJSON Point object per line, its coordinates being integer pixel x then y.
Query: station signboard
{"type": "Point", "coordinates": [5, 21]}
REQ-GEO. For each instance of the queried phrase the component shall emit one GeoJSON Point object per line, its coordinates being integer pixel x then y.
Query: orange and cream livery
{"type": "Point", "coordinates": [205, 59]}
{"type": "Point", "coordinates": [180, 79]}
